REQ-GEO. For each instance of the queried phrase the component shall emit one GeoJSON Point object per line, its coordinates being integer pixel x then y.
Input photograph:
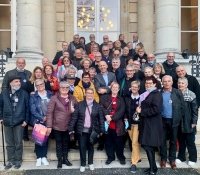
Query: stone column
{"type": "Point", "coordinates": [29, 29]}
{"type": "Point", "coordinates": [49, 28]}
{"type": "Point", "coordinates": [167, 27]}
{"type": "Point", "coordinates": [146, 24]}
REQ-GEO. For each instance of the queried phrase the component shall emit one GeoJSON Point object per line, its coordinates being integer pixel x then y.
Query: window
{"type": "Point", "coordinates": [8, 24]}
{"type": "Point", "coordinates": [98, 17]}
{"type": "Point", "coordinates": [189, 25]}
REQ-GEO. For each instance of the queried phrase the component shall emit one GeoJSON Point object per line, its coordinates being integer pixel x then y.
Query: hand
{"type": "Point", "coordinates": [108, 118]}
{"type": "Point", "coordinates": [51, 84]}
{"type": "Point", "coordinates": [24, 124]}
{"type": "Point", "coordinates": [72, 137]}
{"type": "Point", "coordinates": [194, 125]}
{"type": "Point", "coordinates": [102, 91]}
{"type": "Point", "coordinates": [49, 131]}
{"type": "Point", "coordinates": [44, 119]}
{"type": "Point", "coordinates": [101, 134]}
{"type": "Point", "coordinates": [138, 109]}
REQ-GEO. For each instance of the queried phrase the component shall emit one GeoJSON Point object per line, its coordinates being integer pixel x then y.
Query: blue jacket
{"type": "Point", "coordinates": [35, 107]}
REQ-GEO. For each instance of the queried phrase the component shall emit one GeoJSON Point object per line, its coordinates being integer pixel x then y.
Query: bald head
{"type": "Point", "coordinates": [181, 71]}
{"type": "Point", "coordinates": [20, 63]}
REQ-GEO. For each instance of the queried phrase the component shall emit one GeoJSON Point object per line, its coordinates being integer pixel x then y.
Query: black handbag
{"type": "Point", "coordinates": [136, 117]}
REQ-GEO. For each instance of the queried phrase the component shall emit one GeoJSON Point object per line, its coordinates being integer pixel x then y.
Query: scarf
{"type": "Point", "coordinates": [188, 95]}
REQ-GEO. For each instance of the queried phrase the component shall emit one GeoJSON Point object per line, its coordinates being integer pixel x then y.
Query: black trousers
{"type": "Point", "coordinates": [84, 146]}
{"type": "Point", "coordinates": [170, 133]}
{"type": "Point", "coordinates": [62, 142]}
{"type": "Point", "coordinates": [114, 143]}
{"type": "Point", "coordinates": [150, 151]}
{"type": "Point", "coordinates": [187, 140]}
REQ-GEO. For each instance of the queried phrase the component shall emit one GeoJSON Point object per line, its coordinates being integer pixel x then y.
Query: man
{"type": "Point", "coordinates": [105, 42]}
{"type": "Point", "coordinates": [124, 57]}
{"type": "Point", "coordinates": [95, 63]}
{"type": "Point", "coordinates": [60, 53]}
{"type": "Point", "coordinates": [14, 113]}
{"type": "Point", "coordinates": [88, 45]}
{"type": "Point", "coordinates": [19, 71]}
{"type": "Point", "coordinates": [103, 79]}
{"type": "Point", "coordinates": [193, 84]}
{"type": "Point", "coordinates": [135, 40]}
{"type": "Point", "coordinates": [170, 65]}
{"type": "Point", "coordinates": [73, 45]}
{"type": "Point", "coordinates": [77, 59]}
{"type": "Point", "coordinates": [105, 55]}
{"type": "Point", "coordinates": [151, 60]}
{"type": "Point", "coordinates": [121, 39]}
{"type": "Point", "coordinates": [172, 113]}
{"type": "Point", "coordinates": [45, 61]}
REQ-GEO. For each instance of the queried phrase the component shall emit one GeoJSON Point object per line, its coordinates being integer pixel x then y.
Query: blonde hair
{"type": "Point", "coordinates": [159, 65]}
{"type": "Point", "coordinates": [33, 78]}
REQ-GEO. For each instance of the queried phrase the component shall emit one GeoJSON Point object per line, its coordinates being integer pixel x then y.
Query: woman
{"type": "Point", "coordinates": [85, 64]}
{"type": "Point", "coordinates": [79, 90]}
{"type": "Point", "coordinates": [188, 125]}
{"type": "Point", "coordinates": [36, 74]}
{"type": "Point", "coordinates": [87, 117]}
{"type": "Point", "coordinates": [60, 109]}
{"type": "Point", "coordinates": [132, 103]}
{"type": "Point", "coordinates": [159, 71]}
{"type": "Point", "coordinates": [150, 129]}
{"type": "Point", "coordinates": [114, 108]}
{"type": "Point", "coordinates": [62, 70]}
{"type": "Point", "coordinates": [48, 75]}
{"type": "Point", "coordinates": [38, 109]}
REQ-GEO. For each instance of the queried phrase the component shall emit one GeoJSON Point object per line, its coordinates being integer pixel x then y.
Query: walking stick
{"type": "Point", "coordinates": [2, 132]}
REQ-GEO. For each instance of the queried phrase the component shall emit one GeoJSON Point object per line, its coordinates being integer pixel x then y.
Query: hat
{"type": "Point", "coordinates": [14, 77]}
{"type": "Point", "coordinates": [71, 77]}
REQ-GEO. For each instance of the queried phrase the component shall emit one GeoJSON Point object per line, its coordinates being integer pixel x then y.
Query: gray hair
{"type": "Point", "coordinates": [183, 79]}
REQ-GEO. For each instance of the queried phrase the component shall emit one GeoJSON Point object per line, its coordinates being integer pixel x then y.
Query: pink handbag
{"type": "Point", "coordinates": [39, 134]}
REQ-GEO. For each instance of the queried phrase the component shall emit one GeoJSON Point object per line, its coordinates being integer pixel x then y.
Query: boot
{"type": "Point", "coordinates": [66, 161]}
{"type": "Point", "coordinates": [59, 163]}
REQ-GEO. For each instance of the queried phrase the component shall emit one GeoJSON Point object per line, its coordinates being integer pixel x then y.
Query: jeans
{"type": "Point", "coordinates": [114, 143]}
{"type": "Point", "coordinates": [14, 143]}
{"type": "Point", "coordinates": [41, 151]}
{"type": "Point", "coordinates": [171, 133]}
{"type": "Point", "coordinates": [187, 140]}
{"type": "Point", "coordinates": [85, 145]}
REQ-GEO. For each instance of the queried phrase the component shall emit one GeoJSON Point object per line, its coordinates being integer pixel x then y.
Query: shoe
{"type": "Point", "coordinates": [133, 168]}
{"type": "Point", "coordinates": [190, 163]}
{"type": "Point", "coordinates": [108, 162]}
{"type": "Point", "coordinates": [139, 161]}
{"type": "Point", "coordinates": [91, 167]}
{"type": "Point", "coordinates": [59, 163]}
{"type": "Point", "coordinates": [178, 161]}
{"type": "Point", "coordinates": [122, 162]}
{"type": "Point", "coordinates": [45, 161]}
{"type": "Point", "coordinates": [152, 172]}
{"type": "Point", "coordinates": [8, 166]}
{"type": "Point", "coordinates": [66, 162]}
{"type": "Point", "coordinates": [100, 147]}
{"type": "Point", "coordinates": [82, 169]}
{"type": "Point", "coordinates": [163, 164]}
{"type": "Point", "coordinates": [146, 171]}
{"type": "Point", "coordinates": [17, 165]}
{"type": "Point", "coordinates": [38, 162]}
{"type": "Point", "coordinates": [25, 138]}
{"type": "Point", "coordinates": [173, 165]}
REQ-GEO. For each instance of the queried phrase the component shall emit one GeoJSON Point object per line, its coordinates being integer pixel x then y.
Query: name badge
{"type": "Point", "coordinates": [170, 101]}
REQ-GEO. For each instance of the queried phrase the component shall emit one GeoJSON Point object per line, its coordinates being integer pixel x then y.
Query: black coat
{"type": "Point", "coordinates": [30, 86]}
{"type": "Point", "coordinates": [57, 57]}
{"type": "Point", "coordinates": [170, 69]}
{"type": "Point", "coordinates": [118, 117]}
{"type": "Point", "coordinates": [150, 128]}
{"type": "Point", "coordinates": [10, 117]}
{"type": "Point", "coordinates": [78, 118]}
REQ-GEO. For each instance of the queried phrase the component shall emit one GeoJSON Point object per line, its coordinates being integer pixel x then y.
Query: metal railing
{"type": "Point", "coordinates": [4, 55]}
{"type": "Point", "coordinates": [194, 60]}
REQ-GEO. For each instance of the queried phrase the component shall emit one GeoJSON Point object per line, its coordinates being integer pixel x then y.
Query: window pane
{"type": "Point", "coordinates": [189, 19]}
{"type": "Point", "coordinates": [4, 1]}
{"type": "Point", "coordinates": [5, 40]}
{"type": "Point", "coordinates": [5, 19]}
{"type": "Point", "coordinates": [189, 40]}
{"type": "Point", "coordinates": [189, 2]}
{"type": "Point", "coordinates": [86, 15]}
{"type": "Point", "coordinates": [108, 15]}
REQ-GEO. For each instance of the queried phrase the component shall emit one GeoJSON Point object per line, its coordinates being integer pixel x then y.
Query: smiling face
{"type": "Point", "coordinates": [115, 88]}
{"type": "Point", "coordinates": [38, 74]}
{"type": "Point", "coordinates": [48, 70]}
{"type": "Point", "coordinates": [103, 66]}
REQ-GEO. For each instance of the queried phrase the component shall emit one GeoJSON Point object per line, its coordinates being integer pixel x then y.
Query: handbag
{"type": "Point", "coordinates": [136, 117]}
{"type": "Point", "coordinates": [39, 134]}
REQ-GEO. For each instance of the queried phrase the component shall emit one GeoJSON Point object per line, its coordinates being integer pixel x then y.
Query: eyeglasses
{"type": "Point", "coordinates": [62, 87]}
{"type": "Point", "coordinates": [105, 38]}
{"type": "Point", "coordinates": [86, 77]}
{"type": "Point", "coordinates": [66, 61]}
{"type": "Point", "coordinates": [37, 85]}
{"type": "Point", "coordinates": [129, 70]}
{"type": "Point", "coordinates": [105, 50]}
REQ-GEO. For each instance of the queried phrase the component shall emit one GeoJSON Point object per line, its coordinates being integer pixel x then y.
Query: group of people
{"type": "Point", "coordinates": [108, 91]}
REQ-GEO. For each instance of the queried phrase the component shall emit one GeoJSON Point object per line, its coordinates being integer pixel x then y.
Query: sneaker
{"type": "Point", "coordinates": [38, 162]}
{"type": "Point", "coordinates": [122, 162]}
{"type": "Point", "coordinates": [178, 161]}
{"type": "Point", "coordinates": [82, 169]}
{"type": "Point", "coordinates": [190, 163]}
{"type": "Point", "coordinates": [8, 166]}
{"type": "Point", "coordinates": [133, 168]}
{"type": "Point", "coordinates": [91, 167]}
{"type": "Point", "coordinates": [17, 165]}
{"type": "Point", "coordinates": [45, 161]}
